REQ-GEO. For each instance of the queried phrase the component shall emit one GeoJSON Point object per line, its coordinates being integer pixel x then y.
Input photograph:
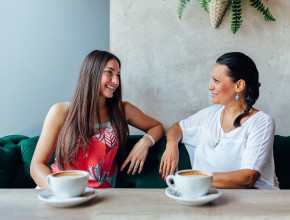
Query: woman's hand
{"type": "Point", "coordinates": [137, 156]}
{"type": "Point", "coordinates": [169, 160]}
{"type": "Point", "coordinates": [136, 118]}
{"type": "Point", "coordinates": [170, 157]}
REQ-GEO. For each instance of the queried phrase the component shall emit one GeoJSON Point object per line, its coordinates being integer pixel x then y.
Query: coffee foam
{"type": "Point", "coordinates": [193, 173]}
{"type": "Point", "coordinates": [68, 174]}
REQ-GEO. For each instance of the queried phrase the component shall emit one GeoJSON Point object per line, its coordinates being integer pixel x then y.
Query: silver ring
{"type": "Point", "coordinates": [136, 164]}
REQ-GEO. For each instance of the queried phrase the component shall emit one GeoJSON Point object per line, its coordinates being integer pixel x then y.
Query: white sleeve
{"type": "Point", "coordinates": [189, 124]}
{"type": "Point", "coordinates": [258, 154]}
{"type": "Point", "coordinates": [188, 132]}
{"type": "Point", "coordinates": [199, 119]}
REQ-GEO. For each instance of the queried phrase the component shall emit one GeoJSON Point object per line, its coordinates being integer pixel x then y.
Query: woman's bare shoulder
{"type": "Point", "coordinates": [127, 104]}
{"type": "Point", "coordinates": [58, 112]}
{"type": "Point", "coordinates": [60, 107]}
{"type": "Point", "coordinates": [129, 108]}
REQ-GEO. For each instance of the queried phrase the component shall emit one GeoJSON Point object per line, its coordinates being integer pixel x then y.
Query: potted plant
{"type": "Point", "coordinates": [217, 8]}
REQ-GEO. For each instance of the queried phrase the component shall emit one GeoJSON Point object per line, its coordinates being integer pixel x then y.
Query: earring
{"type": "Point", "coordinates": [237, 97]}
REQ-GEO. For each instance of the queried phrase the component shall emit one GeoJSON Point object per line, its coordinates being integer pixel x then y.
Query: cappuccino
{"type": "Point", "coordinates": [194, 172]}
{"type": "Point", "coordinates": [67, 184]}
{"type": "Point", "coordinates": [73, 174]}
{"type": "Point", "coordinates": [190, 183]}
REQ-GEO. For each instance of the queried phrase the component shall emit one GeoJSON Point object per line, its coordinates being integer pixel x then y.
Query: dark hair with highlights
{"type": "Point", "coordinates": [84, 111]}
{"type": "Point", "coordinates": [243, 67]}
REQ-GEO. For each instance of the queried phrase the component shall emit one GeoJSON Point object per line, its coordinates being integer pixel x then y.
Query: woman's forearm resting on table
{"type": "Point", "coordinates": [240, 179]}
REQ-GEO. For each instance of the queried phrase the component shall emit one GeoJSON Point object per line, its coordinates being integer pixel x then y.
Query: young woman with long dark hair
{"type": "Point", "coordinates": [90, 132]}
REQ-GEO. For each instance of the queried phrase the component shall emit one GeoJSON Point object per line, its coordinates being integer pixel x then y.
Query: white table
{"type": "Point", "coordinates": [22, 204]}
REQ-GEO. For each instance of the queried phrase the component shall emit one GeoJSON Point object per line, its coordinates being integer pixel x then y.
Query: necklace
{"type": "Point", "coordinates": [220, 131]}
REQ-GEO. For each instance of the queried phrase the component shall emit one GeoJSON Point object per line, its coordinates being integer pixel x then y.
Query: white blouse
{"type": "Point", "coordinates": [247, 147]}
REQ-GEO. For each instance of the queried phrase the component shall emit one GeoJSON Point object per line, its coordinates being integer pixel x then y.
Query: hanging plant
{"type": "Point", "coordinates": [217, 8]}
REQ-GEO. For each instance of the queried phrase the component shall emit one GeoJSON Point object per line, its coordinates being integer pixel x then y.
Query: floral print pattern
{"type": "Point", "coordinates": [99, 160]}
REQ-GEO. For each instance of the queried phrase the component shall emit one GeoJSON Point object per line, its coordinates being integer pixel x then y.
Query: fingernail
{"type": "Point", "coordinates": [159, 172]}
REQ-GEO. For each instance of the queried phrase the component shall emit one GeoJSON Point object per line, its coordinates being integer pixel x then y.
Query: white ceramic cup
{"type": "Point", "coordinates": [67, 184]}
{"type": "Point", "coordinates": [191, 183]}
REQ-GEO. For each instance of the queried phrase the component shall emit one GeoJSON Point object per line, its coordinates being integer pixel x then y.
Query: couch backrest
{"type": "Point", "coordinates": [16, 152]}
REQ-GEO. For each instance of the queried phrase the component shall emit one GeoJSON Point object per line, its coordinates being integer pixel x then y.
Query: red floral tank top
{"type": "Point", "coordinates": [99, 160]}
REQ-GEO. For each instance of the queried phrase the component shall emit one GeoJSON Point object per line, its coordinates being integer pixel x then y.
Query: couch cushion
{"type": "Point", "coordinates": [10, 159]}
{"type": "Point", "coordinates": [15, 158]}
{"type": "Point", "coordinates": [23, 179]}
{"type": "Point", "coordinates": [282, 160]}
{"type": "Point", "coordinates": [150, 177]}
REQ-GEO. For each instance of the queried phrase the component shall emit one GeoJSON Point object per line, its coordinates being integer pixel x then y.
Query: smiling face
{"type": "Point", "coordinates": [222, 88]}
{"type": "Point", "coordinates": [110, 79]}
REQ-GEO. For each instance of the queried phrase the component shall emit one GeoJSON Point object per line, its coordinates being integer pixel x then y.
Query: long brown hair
{"type": "Point", "coordinates": [84, 111]}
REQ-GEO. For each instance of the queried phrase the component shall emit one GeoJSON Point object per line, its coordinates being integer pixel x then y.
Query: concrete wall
{"type": "Point", "coordinates": [42, 45]}
{"type": "Point", "coordinates": [167, 62]}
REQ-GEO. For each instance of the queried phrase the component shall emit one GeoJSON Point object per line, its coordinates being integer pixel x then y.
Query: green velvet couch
{"type": "Point", "coordinates": [16, 152]}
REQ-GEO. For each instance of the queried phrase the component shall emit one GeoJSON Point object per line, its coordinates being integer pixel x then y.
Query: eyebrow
{"type": "Point", "coordinates": [111, 68]}
{"type": "Point", "coordinates": [216, 77]}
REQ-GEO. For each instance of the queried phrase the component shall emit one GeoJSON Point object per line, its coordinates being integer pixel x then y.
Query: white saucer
{"type": "Point", "coordinates": [212, 195]}
{"type": "Point", "coordinates": [49, 197]}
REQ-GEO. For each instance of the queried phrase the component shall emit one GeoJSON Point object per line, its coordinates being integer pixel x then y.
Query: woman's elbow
{"type": "Point", "coordinates": [250, 180]}
{"type": "Point", "coordinates": [32, 169]}
{"type": "Point", "coordinates": [35, 166]}
{"type": "Point", "coordinates": [162, 130]}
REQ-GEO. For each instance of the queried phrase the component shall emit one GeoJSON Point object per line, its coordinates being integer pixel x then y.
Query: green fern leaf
{"type": "Point", "coordinates": [260, 7]}
{"type": "Point", "coordinates": [181, 6]}
{"type": "Point", "coordinates": [236, 15]}
{"type": "Point", "coordinates": [204, 4]}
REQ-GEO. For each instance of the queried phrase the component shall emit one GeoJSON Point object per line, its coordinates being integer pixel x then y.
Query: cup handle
{"type": "Point", "coordinates": [48, 181]}
{"type": "Point", "coordinates": [168, 178]}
